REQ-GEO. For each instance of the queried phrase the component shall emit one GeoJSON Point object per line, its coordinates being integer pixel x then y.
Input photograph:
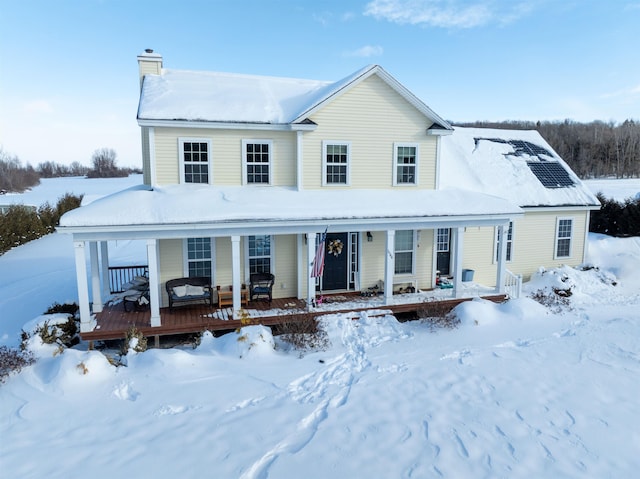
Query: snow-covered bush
{"type": "Point", "coordinates": [303, 333]}
{"type": "Point", "coordinates": [134, 340]}
{"type": "Point", "coordinates": [437, 314]}
{"type": "Point", "coordinates": [13, 360]}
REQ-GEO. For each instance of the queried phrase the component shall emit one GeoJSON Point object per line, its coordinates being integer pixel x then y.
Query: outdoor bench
{"type": "Point", "coordinates": [189, 290]}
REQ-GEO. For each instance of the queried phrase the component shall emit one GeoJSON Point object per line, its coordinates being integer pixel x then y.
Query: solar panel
{"type": "Point", "coordinates": [551, 174]}
{"type": "Point", "coordinates": [521, 147]}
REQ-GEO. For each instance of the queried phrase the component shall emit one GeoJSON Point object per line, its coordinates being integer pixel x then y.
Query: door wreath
{"type": "Point", "coordinates": [335, 247]}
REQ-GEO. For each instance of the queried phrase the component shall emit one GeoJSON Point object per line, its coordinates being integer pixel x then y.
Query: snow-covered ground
{"type": "Point", "coordinates": [516, 391]}
{"type": "Point", "coordinates": [50, 189]}
{"type": "Point", "coordinates": [618, 190]}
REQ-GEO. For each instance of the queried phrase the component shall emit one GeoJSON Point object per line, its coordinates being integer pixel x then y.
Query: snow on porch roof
{"type": "Point", "coordinates": [197, 204]}
{"type": "Point", "coordinates": [498, 162]}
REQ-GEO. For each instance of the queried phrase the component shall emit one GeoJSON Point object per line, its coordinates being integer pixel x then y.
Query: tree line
{"type": "Point", "coordinates": [14, 177]}
{"type": "Point", "coordinates": [20, 224]}
{"type": "Point", "coordinates": [592, 150]}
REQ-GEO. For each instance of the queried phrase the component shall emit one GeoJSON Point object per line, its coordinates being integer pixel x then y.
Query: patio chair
{"type": "Point", "coordinates": [261, 286]}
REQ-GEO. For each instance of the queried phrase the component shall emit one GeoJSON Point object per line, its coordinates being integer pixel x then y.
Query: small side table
{"type": "Point", "coordinates": [225, 298]}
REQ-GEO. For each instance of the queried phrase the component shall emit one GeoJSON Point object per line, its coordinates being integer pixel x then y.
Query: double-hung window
{"type": "Point", "coordinates": [405, 164]}
{"type": "Point", "coordinates": [508, 244]}
{"type": "Point", "coordinates": [195, 160]}
{"type": "Point", "coordinates": [404, 252]}
{"type": "Point", "coordinates": [335, 163]}
{"type": "Point", "coordinates": [259, 254]}
{"type": "Point", "coordinates": [257, 161]}
{"type": "Point", "coordinates": [199, 257]}
{"type": "Point", "coordinates": [442, 240]}
{"type": "Point", "coordinates": [564, 234]}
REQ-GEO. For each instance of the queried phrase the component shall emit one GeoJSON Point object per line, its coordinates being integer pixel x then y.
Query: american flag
{"type": "Point", "coordinates": [318, 261]}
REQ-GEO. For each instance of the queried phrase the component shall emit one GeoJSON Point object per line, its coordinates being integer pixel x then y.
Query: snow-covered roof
{"type": "Point", "coordinates": [200, 96]}
{"type": "Point", "coordinates": [188, 204]}
{"type": "Point", "coordinates": [513, 164]}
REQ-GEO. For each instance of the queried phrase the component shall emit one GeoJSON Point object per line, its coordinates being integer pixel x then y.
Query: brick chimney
{"type": "Point", "coordinates": [149, 63]}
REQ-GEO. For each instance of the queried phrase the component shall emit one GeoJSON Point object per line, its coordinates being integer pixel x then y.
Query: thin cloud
{"type": "Point", "coordinates": [627, 92]}
{"type": "Point", "coordinates": [38, 106]}
{"type": "Point", "coordinates": [366, 51]}
{"type": "Point", "coordinates": [446, 13]}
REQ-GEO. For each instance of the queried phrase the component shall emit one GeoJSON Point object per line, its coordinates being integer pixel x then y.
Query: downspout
{"type": "Point", "coordinates": [299, 155]}
{"type": "Point", "coordinates": [152, 157]}
{"type": "Point", "coordinates": [585, 247]}
{"type": "Point", "coordinates": [438, 148]}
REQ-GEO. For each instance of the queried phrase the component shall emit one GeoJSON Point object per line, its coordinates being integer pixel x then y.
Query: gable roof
{"type": "Point", "coordinates": [196, 96]}
{"type": "Point", "coordinates": [518, 165]}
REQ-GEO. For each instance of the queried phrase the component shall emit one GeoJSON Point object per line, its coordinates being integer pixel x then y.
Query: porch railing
{"type": "Point", "coordinates": [513, 284]}
{"type": "Point", "coordinates": [120, 275]}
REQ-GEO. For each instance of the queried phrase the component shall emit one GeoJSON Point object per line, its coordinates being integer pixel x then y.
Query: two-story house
{"type": "Point", "coordinates": [244, 174]}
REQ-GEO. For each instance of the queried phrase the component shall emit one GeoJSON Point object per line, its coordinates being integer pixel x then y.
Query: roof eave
{"type": "Point", "coordinates": [226, 125]}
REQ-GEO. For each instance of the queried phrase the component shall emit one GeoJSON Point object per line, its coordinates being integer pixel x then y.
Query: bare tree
{"type": "Point", "coordinates": [104, 164]}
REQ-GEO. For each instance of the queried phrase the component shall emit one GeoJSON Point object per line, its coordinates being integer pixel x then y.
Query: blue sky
{"type": "Point", "coordinates": [68, 69]}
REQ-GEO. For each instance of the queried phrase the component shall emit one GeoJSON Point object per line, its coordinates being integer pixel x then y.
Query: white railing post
{"type": "Point", "coordinates": [513, 284]}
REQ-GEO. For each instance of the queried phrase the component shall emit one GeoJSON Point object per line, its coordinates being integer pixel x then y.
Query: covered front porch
{"type": "Point", "coordinates": [114, 321]}
{"type": "Point", "coordinates": [166, 222]}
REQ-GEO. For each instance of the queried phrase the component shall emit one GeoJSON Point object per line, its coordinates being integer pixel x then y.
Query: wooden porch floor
{"type": "Point", "coordinates": [113, 322]}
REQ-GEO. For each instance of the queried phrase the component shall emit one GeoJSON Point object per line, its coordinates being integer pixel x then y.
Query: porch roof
{"type": "Point", "coordinates": [179, 210]}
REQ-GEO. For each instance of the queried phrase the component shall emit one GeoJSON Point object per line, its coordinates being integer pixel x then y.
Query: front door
{"type": "Point", "coordinates": [443, 248]}
{"type": "Point", "coordinates": [336, 262]}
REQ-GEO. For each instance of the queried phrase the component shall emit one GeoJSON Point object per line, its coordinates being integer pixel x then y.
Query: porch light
{"type": "Point", "coordinates": [369, 236]}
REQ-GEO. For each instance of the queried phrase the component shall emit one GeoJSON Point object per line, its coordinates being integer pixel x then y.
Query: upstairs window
{"type": "Point", "coordinates": [195, 160]}
{"type": "Point", "coordinates": [405, 161]}
{"type": "Point", "coordinates": [335, 159]}
{"type": "Point", "coordinates": [257, 161]}
{"type": "Point", "coordinates": [564, 235]}
{"type": "Point", "coordinates": [404, 252]}
{"type": "Point", "coordinates": [259, 254]}
{"type": "Point", "coordinates": [199, 257]}
{"type": "Point", "coordinates": [509, 244]}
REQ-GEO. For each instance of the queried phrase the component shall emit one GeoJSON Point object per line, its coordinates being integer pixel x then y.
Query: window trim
{"type": "Point", "coordinates": [437, 240]}
{"type": "Point", "coordinates": [247, 258]}
{"type": "Point", "coordinates": [256, 141]}
{"type": "Point", "coordinates": [181, 141]}
{"type": "Point", "coordinates": [509, 258]}
{"type": "Point", "coordinates": [558, 238]}
{"type": "Point", "coordinates": [325, 144]}
{"type": "Point", "coordinates": [186, 261]}
{"type": "Point", "coordinates": [413, 255]}
{"type": "Point", "coordinates": [397, 145]}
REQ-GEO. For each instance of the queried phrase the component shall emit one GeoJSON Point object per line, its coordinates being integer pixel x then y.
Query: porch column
{"type": "Point", "coordinates": [87, 321]}
{"type": "Point", "coordinates": [104, 258]}
{"type": "Point", "coordinates": [502, 259]}
{"type": "Point", "coordinates": [235, 275]}
{"type": "Point", "coordinates": [154, 282]}
{"type": "Point", "coordinates": [389, 266]}
{"type": "Point", "coordinates": [300, 263]}
{"type": "Point", "coordinates": [311, 282]}
{"type": "Point", "coordinates": [95, 277]}
{"type": "Point", "coordinates": [458, 241]}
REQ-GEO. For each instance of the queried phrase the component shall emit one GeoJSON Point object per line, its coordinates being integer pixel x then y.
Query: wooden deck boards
{"type": "Point", "coordinates": [113, 322]}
